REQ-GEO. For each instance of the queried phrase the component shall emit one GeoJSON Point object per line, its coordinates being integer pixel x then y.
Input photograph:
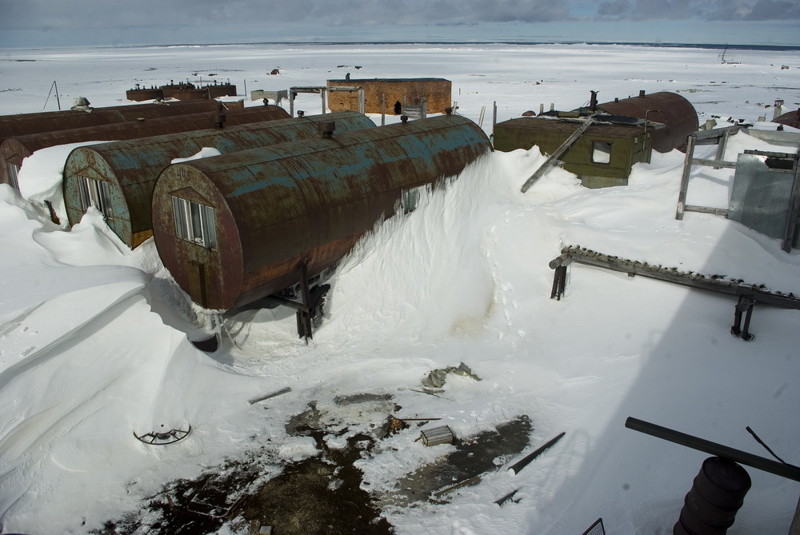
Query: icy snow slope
{"type": "Point", "coordinates": [92, 343]}
{"type": "Point", "coordinates": [88, 358]}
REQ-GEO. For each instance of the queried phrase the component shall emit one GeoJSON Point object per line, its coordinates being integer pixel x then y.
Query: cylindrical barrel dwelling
{"type": "Point", "coordinates": [49, 121]}
{"type": "Point", "coordinates": [791, 118]}
{"type": "Point", "coordinates": [139, 94]}
{"type": "Point", "coordinates": [191, 93]}
{"type": "Point", "coordinates": [237, 228]}
{"type": "Point", "coordinates": [670, 109]}
{"type": "Point", "coordinates": [118, 178]}
{"type": "Point", "coordinates": [221, 90]}
{"type": "Point", "coordinates": [14, 149]}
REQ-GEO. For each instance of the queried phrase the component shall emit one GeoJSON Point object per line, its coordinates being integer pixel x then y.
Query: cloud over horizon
{"type": "Point", "coordinates": [151, 18]}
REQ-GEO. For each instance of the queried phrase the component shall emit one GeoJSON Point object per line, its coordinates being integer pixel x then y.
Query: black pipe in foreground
{"type": "Point", "coordinates": [767, 465]}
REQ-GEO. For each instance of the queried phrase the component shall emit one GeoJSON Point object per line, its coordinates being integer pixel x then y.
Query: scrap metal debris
{"type": "Point", "coordinates": [437, 435]}
{"type": "Point", "coordinates": [270, 395]}
{"type": "Point", "coordinates": [436, 379]}
{"type": "Point", "coordinates": [162, 438]}
{"type": "Point", "coordinates": [525, 461]}
{"type": "Point", "coordinates": [394, 424]}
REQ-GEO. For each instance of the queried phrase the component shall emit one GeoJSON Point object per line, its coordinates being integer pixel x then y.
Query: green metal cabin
{"type": "Point", "coordinates": [603, 156]}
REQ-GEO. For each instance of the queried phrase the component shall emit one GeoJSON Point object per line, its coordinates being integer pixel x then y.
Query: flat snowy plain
{"type": "Point", "coordinates": [93, 343]}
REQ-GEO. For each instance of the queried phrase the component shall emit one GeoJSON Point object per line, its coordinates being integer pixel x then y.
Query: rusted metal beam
{"type": "Point", "coordinates": [787, 471]}
{"type": "Point", "coordinates": [695, 280]}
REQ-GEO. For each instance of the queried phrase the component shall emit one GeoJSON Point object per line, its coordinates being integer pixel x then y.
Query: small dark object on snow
{"type": "Point", "coordinates": [283, 390]}
{"type": "Point", "coordinates": [508, 497]}
{"type": "Point", "coordinates": [162, 438]}
{"type": "Point", "coordinates": [525, 461]}
{"type": "Point", "coordinates": [209, 345]}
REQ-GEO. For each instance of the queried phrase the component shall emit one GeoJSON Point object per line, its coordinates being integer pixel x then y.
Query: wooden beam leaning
{"type": "Point", "coordinates": [558, 152]}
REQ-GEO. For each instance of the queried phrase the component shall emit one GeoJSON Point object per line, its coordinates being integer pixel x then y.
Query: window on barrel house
{"type": "Point", "coordinates": [95, 193]}
{"type": "Point", "coordinates": [194, 222]}
{"type": "Point", "coordinates": [12, 170]}
{"type": "Point", "coordinates": [409, 199]}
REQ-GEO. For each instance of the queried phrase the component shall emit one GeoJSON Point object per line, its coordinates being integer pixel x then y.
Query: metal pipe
{"type": "Point", "coordinates": [767, 465]}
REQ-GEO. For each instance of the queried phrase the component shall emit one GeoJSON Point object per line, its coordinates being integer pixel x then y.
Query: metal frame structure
{"type": "Point", "coordinates": [719, 137]}
{"type": "Point", "coordinates": [322, 91]}
{"type": "Point", "coordinates": [748, 294]}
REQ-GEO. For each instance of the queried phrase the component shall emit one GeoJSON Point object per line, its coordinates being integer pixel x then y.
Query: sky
{"type": "Point", "coordinates": [44, 23]}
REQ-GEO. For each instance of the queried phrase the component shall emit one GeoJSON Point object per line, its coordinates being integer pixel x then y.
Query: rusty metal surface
{"type": "Point", "coordinates": [14, 149]}
{"type": "Point", "coordinates": [299, 202]}
{"type": "Point", "coordinates": [789, 119]}
{"type": "Point", "coordinates": [139, 94]}
{"type": "Point", "coordinates": [130, 168]}
{"type": "Point", "coordinates": [31, 123]}
{"type": "Point", "coordinates": [672, 110]}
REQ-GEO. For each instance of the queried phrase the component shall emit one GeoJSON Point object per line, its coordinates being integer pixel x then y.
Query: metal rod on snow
{"type": "Point", "coordinates": [761, 463]}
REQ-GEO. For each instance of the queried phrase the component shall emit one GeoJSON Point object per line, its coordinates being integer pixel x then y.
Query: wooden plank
{"type": "Point", "coordinates": [558, 152]}
{"type": "Point", "coordinates": [706, 210]}
{"type": "Point", "coordinates": [714, 163]}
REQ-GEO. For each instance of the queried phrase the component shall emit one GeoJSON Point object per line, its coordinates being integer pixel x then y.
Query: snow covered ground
{"type": "Point", "coordinates": [93, 336]}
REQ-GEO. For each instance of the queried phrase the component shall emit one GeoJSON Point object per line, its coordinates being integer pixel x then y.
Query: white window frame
{"type": "Point", "coordinates": [194, 222]}
{"type": "Point", "coordinates": [95, 193]}
{"type": "Point", "coordinates": [12, 170]}
{"type": "Point", "coordinates": [409, 199]}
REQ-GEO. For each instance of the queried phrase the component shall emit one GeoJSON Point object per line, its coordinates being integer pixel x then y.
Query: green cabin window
{"type": "Point", "coordinates": [95, 193]}
{"type": "Point", "coordinates": [601, 152]}
{"type": "Point", "coordinates": [194, 222]}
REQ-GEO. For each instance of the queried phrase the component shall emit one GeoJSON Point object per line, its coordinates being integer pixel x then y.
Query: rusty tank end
{"type": "Point", "coordinates": [670, 109]}
{"type": "Point", "coordinates": [122, 174]}
{"type": "Point", "coordinates": [14, 149]}
{"type": "Point", "coordinates": [256, 216]}
{"type": "Point", "coordinates": [791, 118]}
{"type": "Point", "coordinates": [50, 121]}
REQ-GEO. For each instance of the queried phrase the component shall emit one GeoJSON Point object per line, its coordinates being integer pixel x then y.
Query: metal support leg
{"type": "Point", "coordinates": [309, 312]}
{"type": "Point", "coordinates": [744, 306]}
{"type": "Point", "coordinates": [559, 282]}
{"type": "Point", "coordinates": [304, 316]}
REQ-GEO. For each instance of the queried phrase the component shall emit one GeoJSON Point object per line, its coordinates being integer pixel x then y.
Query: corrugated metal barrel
{"type": "Point", "coordinates": [670, 109]}
{"type": "Point", "coordinates": [14, 149]}
{"type": "Point", "coordinates": [124, 173]}
{"type": "Point", "coordinates": [50, 121]}
{"type": "Point", "coordinates": [248, 220]}
{"type": "Point", "coordinates": [717, 493]}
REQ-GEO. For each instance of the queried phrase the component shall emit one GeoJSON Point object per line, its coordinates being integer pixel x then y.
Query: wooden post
{"type": "Point", "coordinates": [322, 94]}
{"type": "Point", "coordinates": [687, 168]}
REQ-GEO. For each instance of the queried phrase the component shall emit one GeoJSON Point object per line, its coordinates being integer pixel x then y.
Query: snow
{"type": "Point", "coordinates": [94, 337]}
